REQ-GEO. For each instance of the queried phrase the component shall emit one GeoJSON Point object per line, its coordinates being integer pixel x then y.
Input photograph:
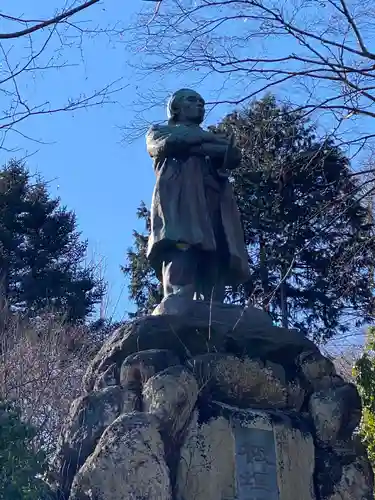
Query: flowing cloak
{"type": "Point", "coordinates": [179, 211]}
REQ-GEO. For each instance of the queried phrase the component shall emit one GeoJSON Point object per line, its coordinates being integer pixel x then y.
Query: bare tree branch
{"type": "Point", "coordinates": [54, 43]}
{"type": "Point", "coordinates": [316, 55]}
{"type": "Point", "coordinates": [44, 24]}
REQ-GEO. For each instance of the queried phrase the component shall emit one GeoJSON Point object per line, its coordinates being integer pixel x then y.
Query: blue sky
{"type": "Point", "coordinates": [83, 155]}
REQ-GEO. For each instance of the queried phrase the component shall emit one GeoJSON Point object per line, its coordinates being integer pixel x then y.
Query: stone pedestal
{"type": "Point", "coordinates": [211, 403]}
{"type": "Point", "coordinates": [214, 313]}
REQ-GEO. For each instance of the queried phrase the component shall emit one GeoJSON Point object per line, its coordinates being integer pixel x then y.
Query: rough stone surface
{"type": "Point", "coordinates": [296, 394]}
{"type": "Point", "coordinates": [296, 465]}
{"type": "Point", "coordinates": [206, 473]}
{"type": "Point", "coordinates": [327, 382]}
{"type": "Point", "coordinates": [214, 312]}
{"type": "Point", "coordinates": [353, 484]}
{"type": "Point", "coordinates": [89, 416]}
{"type": "Point", "coordinates": [336, 412]}
{"type": "Point", "coordinates": [245, 382]}
{"type": "Point", "coordinates": [128, 463]}
{"type": "Point", "coordinates": [131, 402]}
{"type": "Point", "coordinates": [186, 395]}
{"type": "Point", "coordinates": [139, 367]}
{"type": "Point", "coordinates": [107, 379]}
{"type": "Point", "coordinates": [344, 472]}
{"type": "Point", "coordinates": [187, 336]}
{"type": "Point", "coordinates": [171, 396]}
{"type": "Point", "coordinates": [313, 366]}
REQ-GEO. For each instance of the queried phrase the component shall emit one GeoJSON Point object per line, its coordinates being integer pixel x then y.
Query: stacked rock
{"type": "Point", "coordinates": [212, 403]}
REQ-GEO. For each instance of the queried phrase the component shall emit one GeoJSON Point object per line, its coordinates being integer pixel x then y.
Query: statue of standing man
{"type": "Point", "coordinates": [196, 244]}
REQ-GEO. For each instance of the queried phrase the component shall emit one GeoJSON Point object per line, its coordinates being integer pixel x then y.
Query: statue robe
{"type": "Point", "coordinates": [179, 211]}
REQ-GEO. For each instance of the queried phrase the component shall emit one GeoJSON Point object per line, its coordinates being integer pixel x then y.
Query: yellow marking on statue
{"type": "Point", "coordinates": [182, 246]}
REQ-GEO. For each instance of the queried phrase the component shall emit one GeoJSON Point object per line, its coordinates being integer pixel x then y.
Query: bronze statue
{"type": "Point", "coordinates": [196, 244]}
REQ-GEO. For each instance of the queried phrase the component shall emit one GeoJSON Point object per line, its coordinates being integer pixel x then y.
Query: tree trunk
{"type": "Point", "coordinates": [284, 304]}
{"type": "Point", "coordinates": [263, 271]}
{"type": "Point", "coordinates": [3, 297]}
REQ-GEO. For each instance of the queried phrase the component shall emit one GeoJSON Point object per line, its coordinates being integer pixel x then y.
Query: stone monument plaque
{"type": "Point", "coordinates": [256, 467]}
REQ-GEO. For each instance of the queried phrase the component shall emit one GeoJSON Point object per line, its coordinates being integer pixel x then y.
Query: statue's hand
{"type": "Point", "coordinates": [218, 138]}
{"type": "Point", "coordinates": [211, 149]}
{"type": "Point", "coordinates": [214, 138]}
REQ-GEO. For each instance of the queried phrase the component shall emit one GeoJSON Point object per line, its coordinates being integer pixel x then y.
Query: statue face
{"type": "Point", "coordinates": [190, 108]}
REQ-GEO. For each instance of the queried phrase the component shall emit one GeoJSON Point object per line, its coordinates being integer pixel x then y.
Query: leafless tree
{"type": "Point", "coordinates": [31, 48]}
{"type": "Point", "coordinates": [317, 54]}
{"type": "Point", "coordinates": [42, 362]}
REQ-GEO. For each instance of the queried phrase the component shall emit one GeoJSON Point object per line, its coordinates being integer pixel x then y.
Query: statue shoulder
{"type": "Point", "coordinates": [157, 139]}
{"type": "Point", "coordinates": [157, 130]}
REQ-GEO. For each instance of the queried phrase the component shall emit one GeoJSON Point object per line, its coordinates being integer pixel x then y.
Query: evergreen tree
{"type": "Point", "coordinates": [310, 239]}
{"type": "Point", "coordinates": [144, 289]}
{"type": "Point", "coordinates": [41, 254]}
{"type": "Point", "coordinates": [308, 233]}
{"type": "Point", "coordinates": [21, 467]}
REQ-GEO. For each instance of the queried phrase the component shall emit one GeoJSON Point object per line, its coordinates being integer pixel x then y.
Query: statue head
{"type": "Point", "coordinates": [186, 106]}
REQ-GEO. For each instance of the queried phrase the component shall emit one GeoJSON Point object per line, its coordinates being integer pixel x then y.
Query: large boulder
{"type": "Point", "coordinates": [127, 463]}
{"type": "Point", "coordinates": [89, 416]}
{"type": "Point", "coordinates": [246, 382]}
{"type": "Point", "coordinates": [336, 412]}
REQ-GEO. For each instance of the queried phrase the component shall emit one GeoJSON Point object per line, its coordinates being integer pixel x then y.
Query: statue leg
{"type": "Point", "coordinates": [211, 278]}
{"type": "Point", "coordinates": [213, 265]}
{"type": "Point", "coordinates": [180, 272]}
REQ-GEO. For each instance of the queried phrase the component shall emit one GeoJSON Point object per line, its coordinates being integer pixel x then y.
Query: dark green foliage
{"type": "Point", "coordinates": [144, 289]}
{"type": "Point", "coordinates": [364, 372]}
{"type": "Point", "coordinates": [309, 235]}
{"type": "Point", "coordinates": [41, 255]}
{"type": "Point", "coordinates": [311, 246]}
{"type": "Point", "coordinates": [21, 467]}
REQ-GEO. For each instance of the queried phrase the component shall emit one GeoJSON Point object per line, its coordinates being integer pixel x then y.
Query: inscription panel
{"type": "Point", "coordinates": [256, 468]}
